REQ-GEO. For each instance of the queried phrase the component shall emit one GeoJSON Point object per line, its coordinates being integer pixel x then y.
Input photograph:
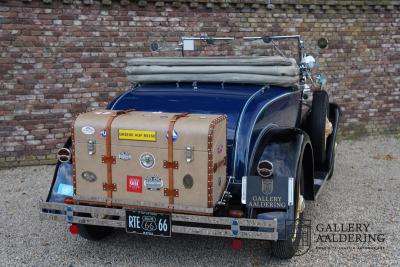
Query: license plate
{"type": "Point", "coordinates": [148, 223]}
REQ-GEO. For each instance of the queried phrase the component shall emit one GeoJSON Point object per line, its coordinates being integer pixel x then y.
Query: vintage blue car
{"type": "Point", "coordinates": [280, 151]}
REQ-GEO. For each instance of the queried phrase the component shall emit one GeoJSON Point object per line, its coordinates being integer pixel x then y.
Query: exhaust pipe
{"type": "Point", "coordinates": [265, 168]}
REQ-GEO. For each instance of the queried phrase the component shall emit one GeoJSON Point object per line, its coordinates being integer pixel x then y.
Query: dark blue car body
{"type": "Point", "coordinates": [250, 109]}
{"type": "Point", "coordinates": [255, 114]}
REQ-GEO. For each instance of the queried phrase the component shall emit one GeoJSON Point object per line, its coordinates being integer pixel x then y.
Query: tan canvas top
{"type": "Point", "coordinates": [274, 70]}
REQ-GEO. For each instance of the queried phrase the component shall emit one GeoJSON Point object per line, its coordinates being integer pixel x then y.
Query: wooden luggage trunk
{"type": "Point", "coordinates": [142, 164]}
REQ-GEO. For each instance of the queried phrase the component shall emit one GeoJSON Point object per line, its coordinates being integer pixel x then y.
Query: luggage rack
{"type": "Point", "coordinates": [192, 224]}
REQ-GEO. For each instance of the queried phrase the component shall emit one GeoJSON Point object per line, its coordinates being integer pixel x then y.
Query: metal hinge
{"type": "Point", "coordinates": [189, 154]}
{"type": "Point", "coordinates": [168, 192]}
{"type": "Point", "coordinates": [105, 159]}
{"type": "Point", "coordinates": [109, 187]}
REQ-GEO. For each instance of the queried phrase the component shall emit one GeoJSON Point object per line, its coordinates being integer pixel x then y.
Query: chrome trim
{"type": "Point", "coordinates": [67, 157]}
{"type": "Point", "coordinates": [244, 190]}
{"type": "Point", "coordinates": [53, 211]}
{"type": "Point", "coordinates": [269, 171]}
{"type": "Point", "coordinates": [124, 94]}
{"type": "Point", "coordinates": [290, 191]}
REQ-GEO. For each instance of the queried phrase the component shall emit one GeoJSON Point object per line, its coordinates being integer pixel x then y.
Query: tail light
{"type": "Point", "coordinates": [265, 168]}
{"type": "Point", "coordinates": [237, 243]}
{"type": "Point", "coordinates": [64, 155]}
{"type": "Point", "coordinates": [73, 229]}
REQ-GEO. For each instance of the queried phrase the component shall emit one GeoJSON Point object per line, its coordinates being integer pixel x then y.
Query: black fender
{"type": "Point", "coordinates": [290, 146]}
{"type": "Point", "coordinates": [286, 148]}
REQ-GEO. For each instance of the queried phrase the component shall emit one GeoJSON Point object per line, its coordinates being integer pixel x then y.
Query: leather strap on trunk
{"type": "Point", "coordinates": [108, 158]}
{"type": "Point", "coordinates": [171, 164]}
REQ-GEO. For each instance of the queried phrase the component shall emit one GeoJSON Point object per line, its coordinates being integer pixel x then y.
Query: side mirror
{"type": "Point", "coordinates": [266, 39]}
{"type": "Point", "coordinates": [322, 43]}
{"type": "Point", "coordinates": [309, 61]}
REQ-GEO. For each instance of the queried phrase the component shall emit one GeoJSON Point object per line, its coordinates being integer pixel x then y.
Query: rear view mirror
{"type": "Point", "coordinates": [266, 39]}
{"type": "Point", "coordinates": [154, 47]}
{"type": "Point", "coordinates": [322, 43]}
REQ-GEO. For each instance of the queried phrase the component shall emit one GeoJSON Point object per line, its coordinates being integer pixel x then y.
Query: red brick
{"type": "Point", "coordinates": [54, 60]}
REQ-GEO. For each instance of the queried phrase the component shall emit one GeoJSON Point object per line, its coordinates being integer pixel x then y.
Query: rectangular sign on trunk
{"type": "Point", "coordinates": [137, 135]}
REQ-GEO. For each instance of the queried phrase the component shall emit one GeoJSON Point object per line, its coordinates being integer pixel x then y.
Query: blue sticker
{"type": "Point", "coordinates": [235, 228]}
{"type": "Point", "coordinates": [103, 133]}
{"type": "Point", "coordinates": [66, 190]}
{"type": "Point", "coordinates": [174, 135]}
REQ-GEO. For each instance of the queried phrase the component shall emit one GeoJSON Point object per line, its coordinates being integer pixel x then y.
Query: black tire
{"type": "Point", "coordinates": [286, 249]}
{"type": "Point", "coordinates": [94, 232]}
{"type": "Point", "coordinates": [316, 126]}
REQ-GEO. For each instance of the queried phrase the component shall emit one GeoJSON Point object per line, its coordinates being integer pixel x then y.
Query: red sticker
{"type": "Point", "coordinates": [134, 184]}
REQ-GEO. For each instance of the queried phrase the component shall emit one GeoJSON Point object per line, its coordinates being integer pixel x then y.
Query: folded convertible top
{"type": "Point", "coordinates": [272, 70]}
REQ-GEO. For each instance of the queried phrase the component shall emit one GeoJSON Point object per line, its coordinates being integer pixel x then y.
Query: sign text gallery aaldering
{"type": "Point", "coordinates": [347, 233]}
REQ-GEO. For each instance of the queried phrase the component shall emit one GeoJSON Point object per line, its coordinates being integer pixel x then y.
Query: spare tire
{"type": "Point", "coordinates": [316, 126]}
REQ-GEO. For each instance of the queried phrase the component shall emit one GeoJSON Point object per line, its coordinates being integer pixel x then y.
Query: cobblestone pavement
{"type": "Point", "coordinates": [364, 189]}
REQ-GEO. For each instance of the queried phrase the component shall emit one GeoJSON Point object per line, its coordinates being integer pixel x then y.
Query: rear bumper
{"type": "Point", "coordinates": [188, 224]}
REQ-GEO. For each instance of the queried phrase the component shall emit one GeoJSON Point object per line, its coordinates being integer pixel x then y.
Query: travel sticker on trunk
{"type": "Point", "coordinates": [137, 135]}
{"type": "Point", "coordinates": [153, 182]}
{"type": "Point", "coordinates": [103, 133]}
{"type": "Point", "coordinates": [134, 184]}
{"type": "Point", "coordinates": [124, 155]}
{"type": "Point", "coordinates": [147, 160]}
{"type": "Point", "coordinates": [88, 130]}
{"type": "Point", "coordinates": [174, 135]}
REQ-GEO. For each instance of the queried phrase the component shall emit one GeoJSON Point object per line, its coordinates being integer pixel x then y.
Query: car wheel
{"type": "Point", "coordinates": [94, 232]}
{"type": "Point", "coordinates": [286, 249]}
{"type": "Point", "coordinates": [316, 126]}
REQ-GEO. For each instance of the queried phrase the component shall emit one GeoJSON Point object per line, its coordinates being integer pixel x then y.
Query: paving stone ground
{"type": "Point", "coordinates": [364, 189]}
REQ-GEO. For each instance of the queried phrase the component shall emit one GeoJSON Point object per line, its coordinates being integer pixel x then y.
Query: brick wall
{"type": "Point", "coordinates": [59, 58]}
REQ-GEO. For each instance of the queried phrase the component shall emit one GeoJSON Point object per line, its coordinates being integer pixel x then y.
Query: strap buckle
{"type": "Point", "coordinates": [171, 192]}
{"type": "Point", "coordinates": [168, 164]}
{"type": "Point", "coordinates": [109, 187]}
{"type": "Point", "coordinates": [105, 159]}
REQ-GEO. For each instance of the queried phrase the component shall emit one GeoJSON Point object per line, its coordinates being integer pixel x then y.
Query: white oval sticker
{"type": "Point", "coordinates": [102, 112]}
{"type": "Point", "coordinates": [88, 130]}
